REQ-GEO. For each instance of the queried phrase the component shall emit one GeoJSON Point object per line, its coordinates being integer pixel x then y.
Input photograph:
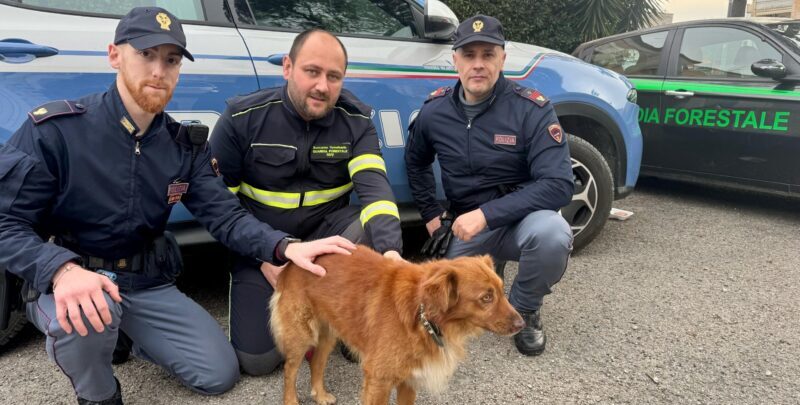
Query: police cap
{"type": "Point", "coordinates": [480, 28]}
{"type": "Point", "coordinates": [147, 27]}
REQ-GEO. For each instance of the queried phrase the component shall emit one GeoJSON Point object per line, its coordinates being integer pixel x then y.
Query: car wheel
{"type": "Point", "coordinates": [16, 321]}
{"type": "Point", "coordinates": [594, 192]}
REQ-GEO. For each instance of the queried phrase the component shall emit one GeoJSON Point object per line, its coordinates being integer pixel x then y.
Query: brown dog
{"type": "Point", "coordinates": [408, 323]}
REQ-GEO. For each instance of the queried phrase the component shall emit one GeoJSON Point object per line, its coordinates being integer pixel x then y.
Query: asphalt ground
{"type": "Point", "coordinates": [694, 299]}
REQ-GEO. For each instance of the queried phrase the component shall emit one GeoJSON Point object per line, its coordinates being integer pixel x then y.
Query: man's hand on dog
{"type": "Point", "coordinates": [303, 254]}
{"type": "Point", "coordinates": [466, 226]}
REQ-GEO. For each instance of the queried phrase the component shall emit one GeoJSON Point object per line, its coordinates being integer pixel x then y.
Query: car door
{"type": "Point", "coordinates": [66, 58]}
{"type": "Point", "coordinates": [643, 59]}
{"type": "Point", "coordinates": [386, 59]}
{"type": "Point", "coordinates": [720, 121]}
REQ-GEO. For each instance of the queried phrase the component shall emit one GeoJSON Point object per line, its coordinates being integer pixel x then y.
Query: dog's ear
{"type": "Point", "coordinates": [440, 292]}
{"type": "Point", "coordinates": [488, 261]}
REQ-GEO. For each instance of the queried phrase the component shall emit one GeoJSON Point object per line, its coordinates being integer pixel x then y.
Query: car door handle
{"type": "Point", "coordinates": [679, 93]}
{"type": "Point", "coordinates": [15, 50]}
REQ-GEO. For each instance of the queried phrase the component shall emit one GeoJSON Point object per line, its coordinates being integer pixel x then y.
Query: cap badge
{"type": "Point", "coordinates": [41, 111]}
{"type": "Point", "coordinates": [164, 20]}
{"type": "Point", "coordinates": [477, 26]}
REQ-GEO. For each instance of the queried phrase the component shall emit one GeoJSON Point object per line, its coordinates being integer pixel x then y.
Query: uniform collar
{"type": "Point", "coordinates": [123, 119]}
{"type": "Point", "coordinates": [325, 121]}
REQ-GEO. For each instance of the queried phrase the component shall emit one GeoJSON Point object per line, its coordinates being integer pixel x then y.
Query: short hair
{"type": "Point", "coordinates": [301, 38]}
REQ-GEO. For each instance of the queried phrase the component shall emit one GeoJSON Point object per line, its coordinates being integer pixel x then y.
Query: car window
{"type": "Point", "coordinates": [720, 52]}
{"type": "Point", "coordinates": [183, 9]}
{"type": "Point", "coordinates": [383, 18]}
{"type": "Point", "coordinates": [638, 56]}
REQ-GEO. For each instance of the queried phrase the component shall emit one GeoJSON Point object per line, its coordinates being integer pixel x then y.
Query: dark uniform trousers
{"type": "Point", "coordinates": [168, 329]}
{"type": "Point", "coordinates": [250, 294]}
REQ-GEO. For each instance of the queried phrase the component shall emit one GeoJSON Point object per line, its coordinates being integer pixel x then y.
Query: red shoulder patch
{"type": "Point", "coordinates": [441, 91]}
{"type": "Point", "coordinates": [533, 95]}
{"type": "Point", "coordinates": [555, 132]}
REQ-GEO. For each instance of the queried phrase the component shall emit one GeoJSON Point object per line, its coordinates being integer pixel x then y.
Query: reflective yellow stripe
{"type": "Point", "coordinates": [322, 196]}
{"type": "Point", "coordinates": [285, 200]}
{"type": "Point", "coordinates": [271, 198]}
{"type": "Point", "coordinates": [382, 207]}
{"type": "Point", "coordinates": [363, 162]}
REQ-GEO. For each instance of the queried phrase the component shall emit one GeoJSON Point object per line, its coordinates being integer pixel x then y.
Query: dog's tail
{"type": "Point", "coordinates": [275, 320]}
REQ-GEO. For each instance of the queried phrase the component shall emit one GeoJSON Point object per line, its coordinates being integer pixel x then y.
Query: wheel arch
{"type": "Point", "coordinates": [596, 127]}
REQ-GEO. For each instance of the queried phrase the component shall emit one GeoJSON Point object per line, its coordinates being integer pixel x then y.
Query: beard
{"type": "Point", "coordinates": [153, 103]}
{"type": "Point", "coordinates": [300, 102]}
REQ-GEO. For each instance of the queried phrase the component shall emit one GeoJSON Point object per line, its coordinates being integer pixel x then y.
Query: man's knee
{"type": "Point", "coordinates": [219, 378]}
{"type": "Point", "coordinates": [545, 230]}
{"type": "Point", "coordinates": [259, 364]}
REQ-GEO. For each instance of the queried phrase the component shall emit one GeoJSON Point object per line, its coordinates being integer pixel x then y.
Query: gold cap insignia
{"type": "Point", "coordinates": [477, 26]}
{"type": "Point", "coordinates": [122, 263]}
{"type": "Point", "coordinates": [41, 111]}
{"type": "Point", "coordinates": [164, 20]}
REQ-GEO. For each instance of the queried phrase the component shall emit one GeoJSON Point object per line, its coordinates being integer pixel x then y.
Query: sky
{"type": "Point", "coordinates": [685, 10]}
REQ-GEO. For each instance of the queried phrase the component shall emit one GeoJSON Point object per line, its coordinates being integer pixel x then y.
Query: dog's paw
{"type": "Point", "coordinates": [323, 398]}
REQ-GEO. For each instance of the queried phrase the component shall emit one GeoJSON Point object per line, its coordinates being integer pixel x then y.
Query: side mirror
{"type": "Point", "coordinates": [440, 21]}
{"type": "Point", "coordinates": [769, 68]}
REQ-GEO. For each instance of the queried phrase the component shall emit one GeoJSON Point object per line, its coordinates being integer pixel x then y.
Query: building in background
{"type": "Point", "coordinates": [775, 8]}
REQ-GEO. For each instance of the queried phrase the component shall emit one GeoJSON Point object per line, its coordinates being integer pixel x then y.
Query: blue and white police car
{"type": "Point", "coordinates": [399, 51]}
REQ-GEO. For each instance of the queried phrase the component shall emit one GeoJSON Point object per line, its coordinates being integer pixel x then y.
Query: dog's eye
{"type": "Point", "coordinates": [487, 298]}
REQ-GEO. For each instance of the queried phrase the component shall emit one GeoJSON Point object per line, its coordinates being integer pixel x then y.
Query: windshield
{"type": "Point", "coordinates": [789, 30]}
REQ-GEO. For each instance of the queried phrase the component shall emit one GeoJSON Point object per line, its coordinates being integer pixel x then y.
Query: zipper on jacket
{"type": "Point", "coordinates": [137, 149]}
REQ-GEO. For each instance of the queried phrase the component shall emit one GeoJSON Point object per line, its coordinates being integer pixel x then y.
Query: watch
{"type": "Point", "coordinates": [280, 249]}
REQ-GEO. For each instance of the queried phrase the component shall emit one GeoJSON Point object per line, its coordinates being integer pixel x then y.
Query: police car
{"type": "Point", "coordinates": [399, 51]}
{"type": "Point", "coordinates": [718, 99]}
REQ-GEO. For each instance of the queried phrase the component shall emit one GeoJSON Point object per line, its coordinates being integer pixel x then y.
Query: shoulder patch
{"type": "Point", "coordinates": [52, 109]}
{"type": "Point", "coordinates": [532, 94]}
{"type": "Point", "coordinates": [440, 92]}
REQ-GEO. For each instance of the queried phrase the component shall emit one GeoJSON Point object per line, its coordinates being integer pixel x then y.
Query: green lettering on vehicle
{"type": "Point", "coordinates": [682, 116]}
{"type": "Point", "coordinates": [737, 116]}
{"type": "Point", "coordinates": [781, 119]}
{"type": "Point", "coordinates": [724, 118]}
{"type": "Point", "coordinates": [710, 118]}
{"type": "Point", "coordinates": [694, 117]}
{"type": "Point", "coordinates": [750, 120]}
{"type": "Point", "coordinates": [669, 114]}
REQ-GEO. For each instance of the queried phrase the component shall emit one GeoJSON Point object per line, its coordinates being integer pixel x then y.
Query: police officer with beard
{"type": "Point", "coordinates": [506, 172]}
{"type": "Point", "coordinates": [99, 177]}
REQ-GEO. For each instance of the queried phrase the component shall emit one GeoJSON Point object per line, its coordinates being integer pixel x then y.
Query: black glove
{"type": "Point", "coordinates": [436, 246]}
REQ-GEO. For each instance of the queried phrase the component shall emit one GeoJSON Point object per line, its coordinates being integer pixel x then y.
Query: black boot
{"type": "Point", "coordinates": [115, 399]}
{"type": "Point", "coordinates": [123, 349]}
{"type": "Point", "coordinates": [531, 340]}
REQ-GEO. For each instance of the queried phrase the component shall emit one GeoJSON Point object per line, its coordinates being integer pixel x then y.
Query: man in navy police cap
{"type": "Point", "coordinates": [100, 176]}
{"type": "Point", "coordinates": [506, 172]}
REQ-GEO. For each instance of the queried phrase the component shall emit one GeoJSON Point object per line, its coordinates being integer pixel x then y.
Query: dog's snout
{"type": "Point", "coordinates": [518, 322]}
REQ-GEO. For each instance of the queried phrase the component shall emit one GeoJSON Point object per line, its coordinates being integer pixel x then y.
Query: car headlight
{"type": "Point", "coordinates": [632, 96]}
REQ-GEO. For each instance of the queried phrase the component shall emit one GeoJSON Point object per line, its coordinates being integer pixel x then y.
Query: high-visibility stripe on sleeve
{"type": "Point", "coordinates": [317, 197]}
{"type": "Point", "coordinates": [364, 162]}
{"type": "Point", "coordinates": [383, 207]}
{"type": "Point", "coordinates": [234, 190]}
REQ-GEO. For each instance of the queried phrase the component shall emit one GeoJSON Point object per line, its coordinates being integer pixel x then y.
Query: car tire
{"type": "Point", "coordinates": [16, 321]}
{"type": "Point", "coordinates": [594, 192]}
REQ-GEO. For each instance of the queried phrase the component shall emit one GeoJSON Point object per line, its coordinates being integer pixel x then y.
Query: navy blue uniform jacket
{"type": "Point", "coordinates": [81, 172]}
{"type": "Point", "coordinates": [516, 142]}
